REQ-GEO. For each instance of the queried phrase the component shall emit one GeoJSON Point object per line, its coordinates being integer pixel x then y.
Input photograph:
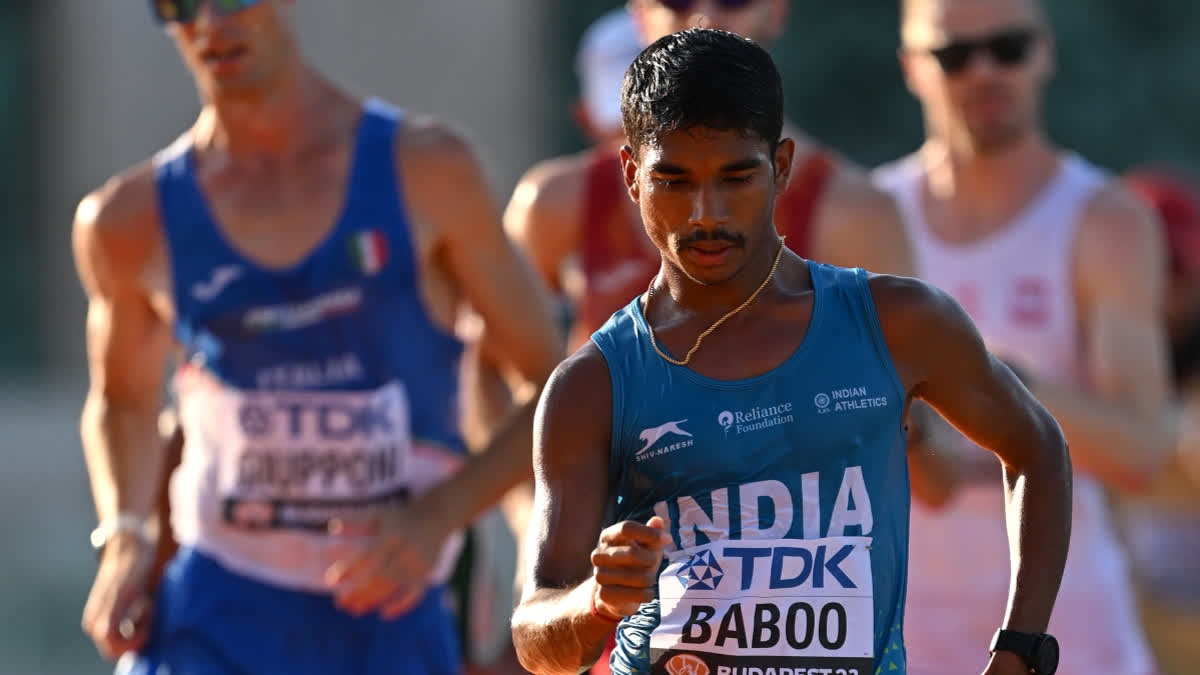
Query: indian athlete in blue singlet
{"type": "Point", "coordinates": [305, 252]}
{"type": "Point", "coordinates": [740, 426]}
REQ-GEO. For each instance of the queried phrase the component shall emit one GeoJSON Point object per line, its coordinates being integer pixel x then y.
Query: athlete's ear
{"type": "Point", "coordinates": [629, 170]}
{"type": "Point", "coordinates": [784, 152]}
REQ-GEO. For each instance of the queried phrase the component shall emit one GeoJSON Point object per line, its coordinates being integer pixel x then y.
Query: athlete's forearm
{"type": "Point", "coordinates": [555, 633]}
{"type": "Point", "coordinates": [1121, 446]}
{"type": "Point", "coordinates": [123, 451]}
{"type": "Point", "coordinates": [1038, 498]}
{"type": "Point", "coordinates": [506, 462]}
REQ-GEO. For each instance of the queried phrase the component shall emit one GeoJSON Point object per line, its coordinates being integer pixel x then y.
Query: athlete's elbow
{"type": "Point", "coordinates": [534, 655]}
{"type": "Point", "coordinates": [1052, 456]}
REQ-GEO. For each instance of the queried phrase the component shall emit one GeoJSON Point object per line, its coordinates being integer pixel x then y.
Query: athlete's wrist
{"type": "Point", "coordinates": [123, 531]}
{"type": "Point", "coordinates": [596, 611]}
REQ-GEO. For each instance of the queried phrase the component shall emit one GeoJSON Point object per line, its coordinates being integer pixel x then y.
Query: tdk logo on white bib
{"type": "Point", "coordinates": [790, 603]}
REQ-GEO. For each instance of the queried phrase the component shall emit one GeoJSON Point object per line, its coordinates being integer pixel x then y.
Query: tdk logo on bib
{"type": "Point", "coordinates": [332, 419]}
{"type": "Point", "coordinates": [701, 572]}
{"type": "Point", "coordinates": [789, 603]}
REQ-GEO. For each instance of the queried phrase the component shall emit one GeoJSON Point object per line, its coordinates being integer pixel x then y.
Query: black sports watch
{"type": "Point", "coordinates": [1038, 650]}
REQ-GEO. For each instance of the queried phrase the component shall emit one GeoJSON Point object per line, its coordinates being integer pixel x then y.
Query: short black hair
{"type": "Point", "coordinates": [702, 77]}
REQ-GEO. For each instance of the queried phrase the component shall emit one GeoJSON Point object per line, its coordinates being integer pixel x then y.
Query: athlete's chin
{"type": "Point", "coordinates": [997, 137]}
{"type": "Point", "coordinates": [710, 269]}
{"type": "Point", "coordinates": [708, 276]}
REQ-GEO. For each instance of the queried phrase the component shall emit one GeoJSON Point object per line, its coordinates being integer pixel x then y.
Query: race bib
{"type": "Point", "coordinates": [295, 460]}
{"type": "Point", "coordinates": [777, 607]}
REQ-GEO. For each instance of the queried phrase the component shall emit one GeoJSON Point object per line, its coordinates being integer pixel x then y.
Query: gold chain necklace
{"type": "Point", "coordinates": [687, 359]}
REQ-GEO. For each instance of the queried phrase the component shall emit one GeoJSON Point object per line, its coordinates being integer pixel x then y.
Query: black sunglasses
{"type": "Point", "coordinates": [681, 6]}
{"type": "Point", "coordinates": [1006, 48]}
{"type": "Point", "coordinates": [167, 11]}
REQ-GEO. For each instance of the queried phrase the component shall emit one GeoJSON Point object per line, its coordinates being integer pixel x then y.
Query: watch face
{"type": "Point", "coordinates": [1047, 656]}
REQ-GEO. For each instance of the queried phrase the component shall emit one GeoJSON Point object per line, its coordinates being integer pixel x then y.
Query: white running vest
{"type": "Point", "coordinates": [1017, 286]}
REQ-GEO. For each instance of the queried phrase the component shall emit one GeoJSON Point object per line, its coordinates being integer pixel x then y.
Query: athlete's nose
{"type": "Point", "coordinates": [708, 207]}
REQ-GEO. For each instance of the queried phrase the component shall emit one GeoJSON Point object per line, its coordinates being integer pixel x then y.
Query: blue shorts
{"type": "Point", "coordinates": [209, 621]}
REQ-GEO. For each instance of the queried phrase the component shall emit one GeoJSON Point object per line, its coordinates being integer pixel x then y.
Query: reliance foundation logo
{"type": "Point", "coordinates": [756, 418]}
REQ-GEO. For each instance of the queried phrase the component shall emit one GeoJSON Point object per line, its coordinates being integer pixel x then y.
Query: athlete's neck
{"type": "Point", "coordinates": [992, 187]}
{"type": "Point", "coordinates": [713, 300]}
{"type": "Point", "coordinates": [280, 122]}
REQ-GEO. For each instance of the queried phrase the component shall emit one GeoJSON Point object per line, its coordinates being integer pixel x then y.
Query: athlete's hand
{"type": "Point", "coordinates": [1006, 663]}
{"type": "Point", "coordinates": [626, 563]}
{"type": "Point", "coordinates": [392, 573]}
{"type": "Point", "coordinates": [117, 613]}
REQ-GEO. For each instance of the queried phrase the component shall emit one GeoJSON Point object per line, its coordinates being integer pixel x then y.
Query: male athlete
{"type": "Point", "coordinates": [307, 252]}
{"type": "Point", "coordinates": [1063, 272]}
{"type": "Point", "coordinates": [744, 417]}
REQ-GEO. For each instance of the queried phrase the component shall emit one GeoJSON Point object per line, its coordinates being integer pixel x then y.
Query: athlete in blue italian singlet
{"type": "Point", "coordinates": [740, 427]}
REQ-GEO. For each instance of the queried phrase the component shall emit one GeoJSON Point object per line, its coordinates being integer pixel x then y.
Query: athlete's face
{"type": "Point", "coordinates": [707, 197]}
{"type": "Point", "coordinates": [978, 67]}
{"type": "Point", "coordinates": [236, 54]}
{"type": "Point", "coordinates": [759, 20]}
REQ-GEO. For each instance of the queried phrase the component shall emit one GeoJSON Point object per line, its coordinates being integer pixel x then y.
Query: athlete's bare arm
{"type": "Point", "coordinates": [942, 360]}
{"type": "Point", "coordinates": [543, 215]}
{"type": "Point", "coordinates": [859, 225]}
{"type": "Point", "coordinates": [542, 219]}
{"type": "Point", "coordinates": [447, 193]}
{"type": "Point", "coordinates": [554, 629]}
{"type": "Point", "coordinates": [117, 249]}
{"type": "Point", "coordinates": [1122, 433]}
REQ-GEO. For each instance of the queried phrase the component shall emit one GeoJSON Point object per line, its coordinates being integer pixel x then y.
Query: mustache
{"type": "Point", "coordinates": [719, 234]}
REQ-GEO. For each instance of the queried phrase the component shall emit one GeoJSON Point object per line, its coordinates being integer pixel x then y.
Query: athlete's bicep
{"type": "Point", "coordinates": [946, 364]}
{"type": "Point", "coordinates": [495, 278]}
{"type": "Point", "coordinates": [127, 341]}
{"type": "Point", "coordinates": [571, 471]}
{"type": "Point", "coordinates": [541, 218]}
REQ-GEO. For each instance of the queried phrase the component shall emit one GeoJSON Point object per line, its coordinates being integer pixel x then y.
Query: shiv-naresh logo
{"type": "Point", "coordinates": [686, 664]}
{"type": "Point", "coordinates": [655, 434]}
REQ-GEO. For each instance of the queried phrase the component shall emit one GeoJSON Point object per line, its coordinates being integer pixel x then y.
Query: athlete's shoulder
{"type": "Point", "coordinates": [549, 194]}
{"type": "Point", "coordinates": [861, 225]}
{"type": "Point", "coordinates": [558, 181]}
{"type": "Point", "coordinates": [581, 384]}
{"type": "Point", "coordinates": [435, 144]}
{"type": "Point", "coordinates": [1120, 245]}
{"type": "Point", "coordinates": [909, 302]}
{"type": "Point", "coordinates": [920, 321]}
{"type": "Point", "coordinates": [1115, 212]}
{"type": "Point", "coordinates": [443, 175]}
{"type": "Point", "coordinates": [116, 226]}
{"type": "Point", "coordinates": [852, 195]}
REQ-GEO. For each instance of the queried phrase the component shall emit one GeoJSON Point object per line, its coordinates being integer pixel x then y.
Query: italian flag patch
{"type": "Point", "coordinates": [368, 250]}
